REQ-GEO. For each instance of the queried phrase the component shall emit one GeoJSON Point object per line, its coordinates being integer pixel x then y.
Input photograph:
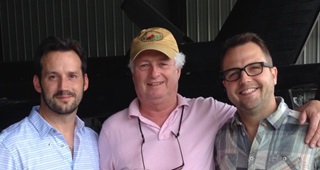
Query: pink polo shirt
{"type": "Point", "coordinates": [120, 138]}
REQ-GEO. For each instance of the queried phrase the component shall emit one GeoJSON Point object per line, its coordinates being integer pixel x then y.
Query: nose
{"type": "Point", "coordinates": [244, 76]}
{"type": "Point", "coordinates": [63, 83]}
{"type": "Point", "coordinates": [154, 71]}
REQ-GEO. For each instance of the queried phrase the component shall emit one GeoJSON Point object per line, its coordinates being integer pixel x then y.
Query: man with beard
{"type": "Point", "coordinates": [53, 136]}
{"type": "Point", "coordinates": [264, 133]}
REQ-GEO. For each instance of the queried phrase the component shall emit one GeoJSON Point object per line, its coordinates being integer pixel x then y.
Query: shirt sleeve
{"type": "Point", "coordinates": [105, 151]}
{"type": "Point", "coordinates": [223, 112]}
{"type": "Point", "coordinates": [6, 159]}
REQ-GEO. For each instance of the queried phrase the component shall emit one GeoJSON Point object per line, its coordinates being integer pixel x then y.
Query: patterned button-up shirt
{"type": "Point", "coordinates": [278, 144]}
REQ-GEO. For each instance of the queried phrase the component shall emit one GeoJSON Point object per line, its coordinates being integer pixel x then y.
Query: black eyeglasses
{"type": "Point", "coordinates": [175, 135]}
{"type": "Point", "coordinates": [252, 69]}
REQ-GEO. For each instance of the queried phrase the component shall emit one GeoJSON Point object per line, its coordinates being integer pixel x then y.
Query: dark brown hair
{"type": "Point", "coordinates": [53, 43]}
{"type": "Point", "coordinates": [244, 38]}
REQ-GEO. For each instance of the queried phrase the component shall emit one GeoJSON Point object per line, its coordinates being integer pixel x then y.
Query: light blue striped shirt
{"type": "Point", "coordinates": [34, 144]}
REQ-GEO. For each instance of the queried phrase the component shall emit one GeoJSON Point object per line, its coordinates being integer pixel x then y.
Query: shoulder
{"type": "Point", "coordinates": [119, 116]}
{"type": "Point", "coordinates": [116, 120]}
{"type": "Point", "coordinates": [212, 106]}
{"type": "Point", "coordinates": [15, 129]}
{"type": "Point", "coordinates": [228, 126]}
{"type": "Point", "coordinates": [124, 115]}
{"type": "Point", "coordinates": [17, 133]}
{"type": "Point", "coordinates": [91, 132]}
{"type": "Point", "coordinates": [226, 132]}
{"type": "Point", "coordinates": [293, 117]}
{"type": "Point", "coordinates": [207, 101]}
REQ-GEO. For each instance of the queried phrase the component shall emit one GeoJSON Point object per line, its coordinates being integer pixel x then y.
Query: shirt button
{"type": "Point", "coordinates": [251, 158]}
{"type": "Point", "coordinates": [284, 158]}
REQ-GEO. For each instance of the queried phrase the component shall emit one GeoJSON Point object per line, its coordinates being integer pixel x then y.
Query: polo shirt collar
{"type": "Point", "coordinates": [134, 106]}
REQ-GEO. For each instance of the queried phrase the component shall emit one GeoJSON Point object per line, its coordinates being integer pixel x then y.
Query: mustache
{"type": "Point", "coordinates": [64, 92]}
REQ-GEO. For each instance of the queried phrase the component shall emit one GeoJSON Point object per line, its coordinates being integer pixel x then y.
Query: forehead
{"type": "Point", "coordinates": [61, 60]}
{"type": "Point", "coordinates": [151, 55]}
{"type": "Point", "coordinates": [243, 54]}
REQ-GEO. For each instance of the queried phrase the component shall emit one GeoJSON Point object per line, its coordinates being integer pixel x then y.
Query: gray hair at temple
{"type": "Point", "coordinates": [179, 58]}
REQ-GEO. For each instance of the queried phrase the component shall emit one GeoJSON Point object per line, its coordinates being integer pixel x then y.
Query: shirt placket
{"type": "Point", "coordinates": [252, 159]}
{"type": "Point", "coordinates": [63, 147]}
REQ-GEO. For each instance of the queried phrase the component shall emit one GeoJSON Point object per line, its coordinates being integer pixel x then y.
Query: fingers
{"type": "Point", "coordinates": [311, 111]}
{"type": "Point", "coordinates": [313, 135]}
{"type": "Point", "coordinates": [303, 118]}
{"type": "Point", "coordinates": [315, 139]}
{"type": "Point", "coordinates": [318, 143]}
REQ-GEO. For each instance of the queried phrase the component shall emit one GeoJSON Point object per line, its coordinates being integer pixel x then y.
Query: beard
{"type": "Point", "coordinates": [64, 108]}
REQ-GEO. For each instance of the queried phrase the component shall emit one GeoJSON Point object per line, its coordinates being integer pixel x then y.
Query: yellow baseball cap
{"type": "Point", "coordinates": [159, 39]}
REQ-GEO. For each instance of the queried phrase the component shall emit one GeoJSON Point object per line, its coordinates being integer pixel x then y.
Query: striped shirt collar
{"type": "Point", "coordinates": [43, 127]}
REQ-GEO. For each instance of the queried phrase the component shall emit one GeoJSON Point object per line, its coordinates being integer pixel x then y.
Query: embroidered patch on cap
{"type": "Point", "coordinates": [151, 36]}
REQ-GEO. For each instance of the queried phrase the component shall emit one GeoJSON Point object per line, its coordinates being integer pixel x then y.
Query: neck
{"type": "Point", "coordinates": [157, 112]}
{"type": "Point", "coordinates": [59, 121]}
{"type": "Point", "coordinates": [251, 126]}
{"type": "Point", "coordinates": [251, 118]}
{"type": "Point", "coordinates": [65, 124]}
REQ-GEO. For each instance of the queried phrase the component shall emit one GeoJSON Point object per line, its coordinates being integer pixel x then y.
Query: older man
{"type": "Point", "coordinates": [161, 129]}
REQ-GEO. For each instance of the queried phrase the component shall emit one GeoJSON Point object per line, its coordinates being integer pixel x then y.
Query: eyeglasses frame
{"type": "Point", "coordinates": [263, 64]}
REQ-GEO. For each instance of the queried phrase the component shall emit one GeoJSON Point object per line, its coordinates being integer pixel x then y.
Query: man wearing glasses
{"type": "Point", "coordinates": [264, 133]}
{"type": "Point", "coordinates": [161, 130]}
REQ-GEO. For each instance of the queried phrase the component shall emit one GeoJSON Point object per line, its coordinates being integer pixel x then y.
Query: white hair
{"type": "Point", "coordinates": [179, 58]}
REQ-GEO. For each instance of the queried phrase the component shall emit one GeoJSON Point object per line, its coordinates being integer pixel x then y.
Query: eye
{"type": "Point", "coordinates": [52, 77]}
{"type": "Point", "coordinates": [73, 76]}
{"type": "Point", "coordinates": [232, 74]}
{"type": "Point", "coordinates": [144, 66]}
{"type": "Point", "coordinates": [164, 64]}
{"type": "Point", "coordinates": [255, 68]}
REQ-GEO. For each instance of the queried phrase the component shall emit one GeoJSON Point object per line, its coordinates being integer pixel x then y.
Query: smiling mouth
{"type": "Point", "coordinates": [155, 83]}
{"type": "Point", "coordinates": [64, 96]}
{"type": "Point", "coordinates": [248, 91]}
